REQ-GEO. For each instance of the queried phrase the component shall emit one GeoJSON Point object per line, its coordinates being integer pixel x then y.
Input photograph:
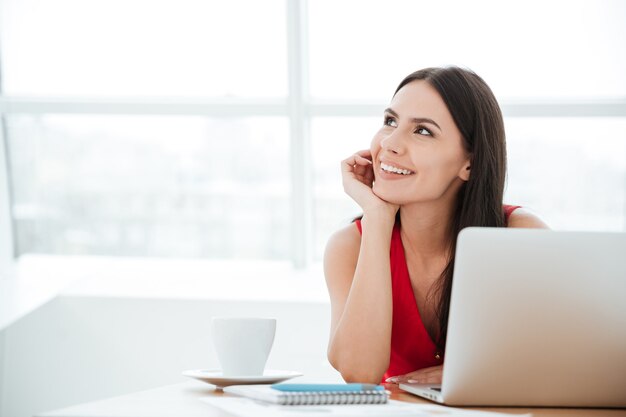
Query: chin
{"type": "Point", "coordinates": [390, 196]}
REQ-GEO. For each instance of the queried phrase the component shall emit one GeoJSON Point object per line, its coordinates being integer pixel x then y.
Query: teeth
{"type": "Point", "coordinates": [395, 170]}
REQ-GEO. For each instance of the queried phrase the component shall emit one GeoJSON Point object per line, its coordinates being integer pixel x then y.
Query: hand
{"type": "Point", "coordinates": [432, 375]}
{"type": "Point", "coordinates": [358, 177]}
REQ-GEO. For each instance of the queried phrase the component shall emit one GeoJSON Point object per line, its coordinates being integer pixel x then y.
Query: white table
{"type": "Point", "coordinates": [179, 400]}
{"type": "Point", "coordinates": [182, 400]}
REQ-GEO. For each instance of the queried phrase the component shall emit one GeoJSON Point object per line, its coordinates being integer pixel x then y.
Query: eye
{"type": "Point", "coordinates": [390, 121]}
{"type": "Point", "coordinates": [421, 130]}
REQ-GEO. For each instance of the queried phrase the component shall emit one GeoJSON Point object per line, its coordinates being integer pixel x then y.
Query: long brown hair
{"type": "Point", "coordinates": [477, 115]}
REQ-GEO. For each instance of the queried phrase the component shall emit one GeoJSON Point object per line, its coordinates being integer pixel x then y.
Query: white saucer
{"type": "Point", "coordinates": [215, 377]}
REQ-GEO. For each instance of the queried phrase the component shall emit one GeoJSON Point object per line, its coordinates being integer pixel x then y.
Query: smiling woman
{"type": "Point", "coordinates": [435, 156]}
{"type": "Point", "coordinates": [436, 166]}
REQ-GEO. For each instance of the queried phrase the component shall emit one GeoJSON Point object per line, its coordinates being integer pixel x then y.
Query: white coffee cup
{"type": "Point", "coordinates": [242, 344]}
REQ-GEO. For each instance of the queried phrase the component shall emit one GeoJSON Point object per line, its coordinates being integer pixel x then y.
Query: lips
{"type": "Point", "coordinates": [393, 168]}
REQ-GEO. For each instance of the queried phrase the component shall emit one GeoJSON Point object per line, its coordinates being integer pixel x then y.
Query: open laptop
{"type": "Point", "coordinates": [537, 318]}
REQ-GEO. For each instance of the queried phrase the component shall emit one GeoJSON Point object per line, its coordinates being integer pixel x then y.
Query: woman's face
{"type": "Point", "coordinates": [418, 153]}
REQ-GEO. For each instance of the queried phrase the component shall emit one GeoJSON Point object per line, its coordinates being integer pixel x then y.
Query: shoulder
{"type": "Point", "coordinates": [523, 218]}
{"type": "Point", "coordinates": [342, 252]}
{"type": "Point", "coordinates": [345, 242]}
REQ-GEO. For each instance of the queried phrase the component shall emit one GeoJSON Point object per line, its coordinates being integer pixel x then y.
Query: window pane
{"type": "Point", "coordinates": [533, 48]}
{"type": "Point", "coordinates": [144, 48]}
{"type": "Point", "coordinates": [572, 172]}
{"type": "Point", "coordinates": [569, 171]}
{"type": "Point", "coordinates": [174, 186]}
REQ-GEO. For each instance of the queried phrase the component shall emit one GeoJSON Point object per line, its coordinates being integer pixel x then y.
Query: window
{"type": "Point", "coordinates": [143, 48]}
{"type": "Point", "coordinates": [171, 186]}
{"type": "Point", "coordinates": [524, 50]}
{"type": "Point", "coordinates": [571, 170]}
{"type": "Point", "coordinates": [215, 129]}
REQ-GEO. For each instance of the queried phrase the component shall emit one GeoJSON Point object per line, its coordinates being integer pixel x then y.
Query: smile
{"type": "Point", "coordinates": [395, 170]}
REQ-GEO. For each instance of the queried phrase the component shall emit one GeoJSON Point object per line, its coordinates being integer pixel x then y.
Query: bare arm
{"type": "Point", "coordinates": [358, 276]}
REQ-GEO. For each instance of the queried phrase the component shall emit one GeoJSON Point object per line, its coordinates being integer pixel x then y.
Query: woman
{"type": "Point", "coordinates": [436, 165]}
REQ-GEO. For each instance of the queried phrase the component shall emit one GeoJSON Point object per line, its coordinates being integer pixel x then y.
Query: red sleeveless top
{"type": "Point", "coordinates": [411, 345]}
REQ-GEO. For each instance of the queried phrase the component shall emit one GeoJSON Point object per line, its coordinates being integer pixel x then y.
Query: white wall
{"type": "Point", "coordinates": [79, 349]}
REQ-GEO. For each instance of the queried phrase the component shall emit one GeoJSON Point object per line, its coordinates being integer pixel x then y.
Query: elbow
{"type": "Point", "coordinates": [365, 373]}
{"type": "Point", "coordinates": [362, 376]}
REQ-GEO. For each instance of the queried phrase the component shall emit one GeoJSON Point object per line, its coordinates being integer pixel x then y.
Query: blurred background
{"type": "Point", "coordinates": [163, 162]}
{"type": "Point", "coordinates": [205, 129]}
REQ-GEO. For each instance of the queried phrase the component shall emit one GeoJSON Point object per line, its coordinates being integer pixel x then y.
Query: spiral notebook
{"type": "Point", "coordinates": [266, 393]}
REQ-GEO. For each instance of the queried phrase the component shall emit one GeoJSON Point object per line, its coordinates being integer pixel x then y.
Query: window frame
{"type": "Point", "coordinates": [298, 107]}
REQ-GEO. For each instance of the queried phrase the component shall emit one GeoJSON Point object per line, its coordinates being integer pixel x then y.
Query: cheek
{"type": "Point", "coordinates": [437, 169]}
{"type": "Point", "coordinates": [444, 168]}
{"type": "Point", "coordinates": [375, 145]}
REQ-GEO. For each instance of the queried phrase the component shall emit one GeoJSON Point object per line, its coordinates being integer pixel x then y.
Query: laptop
{"type": "Point", "coordinates": [537, 318]}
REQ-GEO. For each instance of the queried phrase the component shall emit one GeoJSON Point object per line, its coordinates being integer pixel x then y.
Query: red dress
{"type": "Point", "coordinates": [411, 345]}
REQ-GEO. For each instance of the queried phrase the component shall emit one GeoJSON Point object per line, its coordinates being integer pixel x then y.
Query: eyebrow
{"type": "Point", "coordinates": [414, 119]}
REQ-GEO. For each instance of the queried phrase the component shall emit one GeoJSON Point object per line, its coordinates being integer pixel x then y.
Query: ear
{"type": "Point", "coordinates": [465, 171]}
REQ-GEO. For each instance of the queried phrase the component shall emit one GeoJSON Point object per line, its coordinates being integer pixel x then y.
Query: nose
{"type": "Point", "coordinates": [393, 142]}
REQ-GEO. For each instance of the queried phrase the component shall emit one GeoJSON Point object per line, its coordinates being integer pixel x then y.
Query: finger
{"type": "Point", "coordinates": [354, 160]}
{"type": "Point", "coordinates": [422, 374]}
{"type": "Point", "coordinates": [399, 379]}
{"type": "Point", "coordinates": [365, 153]}
{"type": "Point", "coordinates": [348, 164]}
{"type": "Point", "coordinates": [369, 177]}
{"type": "Point", "coordinates": [430, 380]}
{"type": "Point", "coordinates": [361, 168]}
{"type": "Point", "coordinates": [356, 165]}
{"type": "Point", "coordinates": [425, 378]}
{"type": "Point", "coordinates": [349, 161]}
{"type": "Point", "coordinates": [428, 370]}
{"type": "Point", "coordinates": [414, 374]}
{"type": "Point", "coordinates": [362, 161]}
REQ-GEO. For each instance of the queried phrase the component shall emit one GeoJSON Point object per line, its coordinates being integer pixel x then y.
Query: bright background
{"type": "Point", "coordinates": [163, 162]}
{"type": "Point", "coordinates": [214, 130]}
